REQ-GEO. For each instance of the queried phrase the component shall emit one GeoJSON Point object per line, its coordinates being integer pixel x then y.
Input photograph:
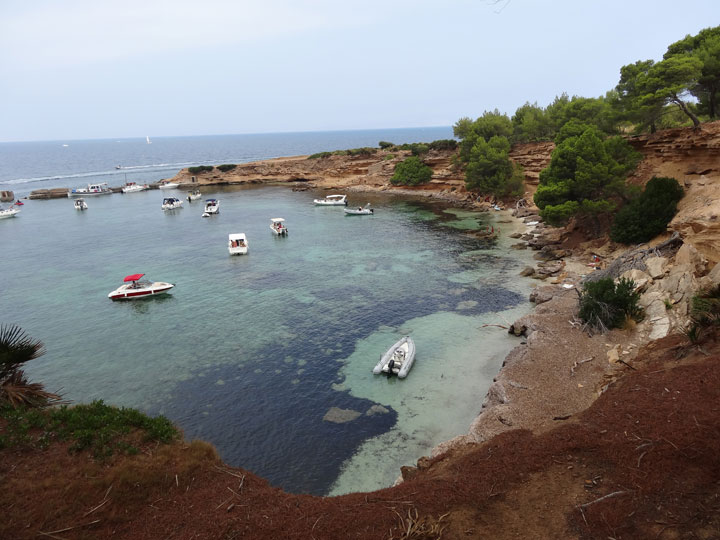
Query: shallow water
{"type": "Point", "coordinates": [251, 352]}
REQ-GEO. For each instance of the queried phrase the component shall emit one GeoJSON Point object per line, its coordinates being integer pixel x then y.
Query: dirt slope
{"type": "Point", "coordinates": [641, 462]}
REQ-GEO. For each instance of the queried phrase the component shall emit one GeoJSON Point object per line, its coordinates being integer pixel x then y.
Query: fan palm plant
{"type": "Point", "coordinates": [17, 348]}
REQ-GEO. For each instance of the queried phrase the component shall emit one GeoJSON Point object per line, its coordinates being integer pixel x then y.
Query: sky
{"type": "Point", "coordinates": [86, 69]}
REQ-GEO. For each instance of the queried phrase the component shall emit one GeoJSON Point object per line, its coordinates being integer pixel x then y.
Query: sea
{"type": "Point", "coordinates": [267, 356]}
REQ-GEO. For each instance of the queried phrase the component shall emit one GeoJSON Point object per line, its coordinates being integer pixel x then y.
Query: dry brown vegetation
{"type": "Point", "coordinates": [642, 462]}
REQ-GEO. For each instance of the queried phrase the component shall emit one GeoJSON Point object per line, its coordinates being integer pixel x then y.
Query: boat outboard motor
{"type": "Point", "coordinates": [391, 365]}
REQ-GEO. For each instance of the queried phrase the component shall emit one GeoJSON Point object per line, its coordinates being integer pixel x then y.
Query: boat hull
{"type": "Point", "coordinates": [133, 189]}
{"type": "Point", "coordinates": [127, 292]}
{"type": "Point", "coordinates": [10, 212]}
{"type": "Point", "coordinates": [75, 193]}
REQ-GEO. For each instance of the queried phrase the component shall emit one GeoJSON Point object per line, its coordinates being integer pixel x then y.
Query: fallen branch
{"type": "Point", "coordinates": [577, 363]}
{"type": "Point", "coordinates": [68, 528]}
{"type": "Point", "coordinates": [608, 496]}
{"type": "Point", "coordinates": [229, 472]}
{"type": "Point", "coordinates": [498, 325]}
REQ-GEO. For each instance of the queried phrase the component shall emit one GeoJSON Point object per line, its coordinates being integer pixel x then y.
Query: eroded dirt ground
{"type": "Point", "coordinates": [642, 462]}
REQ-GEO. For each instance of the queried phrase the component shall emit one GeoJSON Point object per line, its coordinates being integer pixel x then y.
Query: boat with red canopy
{"type": "Point", "coordinates": [136, 287]}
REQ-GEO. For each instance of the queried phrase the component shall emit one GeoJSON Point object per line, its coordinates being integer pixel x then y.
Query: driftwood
{"type": "Point", "coordinates": [636, 259]}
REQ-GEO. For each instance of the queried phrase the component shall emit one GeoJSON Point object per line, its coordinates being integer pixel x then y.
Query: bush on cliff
{"type": "Point", "coordinates": [605, 304]}
{"type": "Point", "coordinates": [411, 172]}
{"type": "Point", "coordinates": [643, 218]}
{"type": "Point", "coordinates": [320, 155]}
{"type": "Point", "coordinates": [226, 167]}
{"type": "Point", "coordinates": [489, 169]}
{"type": "Point", "coordinates": [200, 169]}
{"type": "Point", "coordinates": [586, 171]}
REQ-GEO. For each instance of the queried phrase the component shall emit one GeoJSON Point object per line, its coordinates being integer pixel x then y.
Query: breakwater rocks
{"type": "Point", "coordinates": [53, 193]}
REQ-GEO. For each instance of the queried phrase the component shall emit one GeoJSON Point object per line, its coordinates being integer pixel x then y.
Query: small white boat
{"type": "Point", "coordinates": [135, 287]}
{"type": "Point", "coordinates": [194, 195]}
{"type": "Point", "coordinates": [9, 212]}
{"type": "Point", "coordinates": [398, 359]}
{"type": "Point", "coordinates": [332, 200]}
{"type": "Point", "coordinates": [80, 204]}
{"type": "Point", "coordinates": [237, 244]}
{"type": "Point", "coordinates": [91, 189]}
{"type": "Point", "coordinates": [171, 203]}
{"type": "Point", "coordinates": [147, 139]}
{"type": "Point", "coordinates": [131, 187]}
{"type": "Point", "coordinates": [212, 207]}
{"type": "Point", "coordinates": [277, 227]}
{"type": "Point", "coordinates": [360, 211]}
{"type": "Point", "coordinates": [168, 185]}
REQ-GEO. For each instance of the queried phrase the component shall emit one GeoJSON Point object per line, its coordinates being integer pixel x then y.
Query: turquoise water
{"type": "Point", "coordinates": [251, 352]}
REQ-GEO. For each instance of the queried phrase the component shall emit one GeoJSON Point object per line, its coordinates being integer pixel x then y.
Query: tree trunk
{"type": "Point", "coordinates": [680, 103]}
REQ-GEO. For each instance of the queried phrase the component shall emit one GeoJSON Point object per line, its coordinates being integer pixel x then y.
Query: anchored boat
{"type": "Point", "coordinates": [277, 227]}
{"type": "Point", "coordinates": [171, 203]}
{"type": "Point", "coordinates": [237, 244]}
{"type": "Point", "coordinates": [135, 287]}
{"type": "Point", "coordinates": [212, 207]}
{"type": "Point", "coordinates": [132, 187]}
{"type": "Point", "coordinates": [91, 189]}
{"type": "Point", "coordinates": [332, 200]}
{"type": "Point", "coordinates": [9, 212]}
{"type": "Point", "coordinates": [360, 211]}
{"type": "Point", "coordinates": [80, 204]}
{"type": "Point", "coordinates": [398, 359]}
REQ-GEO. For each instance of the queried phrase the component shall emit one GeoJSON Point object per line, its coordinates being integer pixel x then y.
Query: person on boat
{"type": "Point", "coordinates": [360, 208]}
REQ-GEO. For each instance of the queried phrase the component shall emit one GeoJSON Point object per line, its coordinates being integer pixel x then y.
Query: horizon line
{"type": "Point", "coordinates": [143, 137]}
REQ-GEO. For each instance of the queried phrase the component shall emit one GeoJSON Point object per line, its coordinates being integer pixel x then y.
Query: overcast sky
{"type": "Point", "coordinates": [76, 69]}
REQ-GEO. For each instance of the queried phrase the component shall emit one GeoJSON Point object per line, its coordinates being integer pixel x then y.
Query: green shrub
{"type": "Point", "coordinates": [385, 145]}
{"type": "Point", "coordinates": [97, 427]}
{"type": "Point", "coordinates": [411, 172]}
{"type": "Point", "coordinates": [389, 157]}
{"type": "Point", "coordinates": [200, 169]}
{"type": "Point", "coordinates": [704, 313]}
{"type": "Point", "coordinates": [364, 151]}
{"type": "Point", "coordinates": [320, 155]}
{"type": "Point", "coordinates": [443, 144]}
{"type": "Point", "coordinates": [226, 167]}
{"type": "Point", "coordinates": [648, 215]}
{"type": "Point", "coordinates": [605, 304]}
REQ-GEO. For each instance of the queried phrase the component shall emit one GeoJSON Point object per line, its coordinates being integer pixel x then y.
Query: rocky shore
{"type": "Point", "coordinates": [581, 435]}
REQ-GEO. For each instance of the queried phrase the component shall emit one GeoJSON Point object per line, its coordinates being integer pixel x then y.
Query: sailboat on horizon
{"type": "Point", "coordinates": [147, 138]}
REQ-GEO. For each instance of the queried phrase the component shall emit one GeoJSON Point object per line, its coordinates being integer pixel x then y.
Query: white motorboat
{"type": "Point", "coordinates": [332, 200]}
{"type": "Point", "coordinates": [168, 185]}
{"type": "Point", "coordinates": [171, 203]}
{"type": "Point", "coordinates": [132, 187]}
{"type": "Point", "coordinates": [9, 212]}
{"type": "Point", "coordinates": [398, 359]}
{"type": "Point", "coordinates": [212, 207]}
{"type": "Point", "coordinates": [91, 189]}
{"type": "Point", "coordinates": [80, 204]}
{"type": "Point", "coordinates": [194, 195]}
{"type": "Point", "coordinates": [237, 244]}
{"type": "Point", "coordinates": [360, 211]}
{"type": "Point", "coordinates": [277, 227]}
{"type": "Point", "coordinates": [135, 287]}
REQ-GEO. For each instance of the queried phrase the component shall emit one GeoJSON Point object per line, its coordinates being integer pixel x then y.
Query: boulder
{"type": "Point", "coordinates": [641, 279]}
{"type": "Point", "coordinates": [688, 255]}
{"type": "Point", "coordinates": [527, 271]}
{"type": "Point", "coordinates": [656, 266]}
